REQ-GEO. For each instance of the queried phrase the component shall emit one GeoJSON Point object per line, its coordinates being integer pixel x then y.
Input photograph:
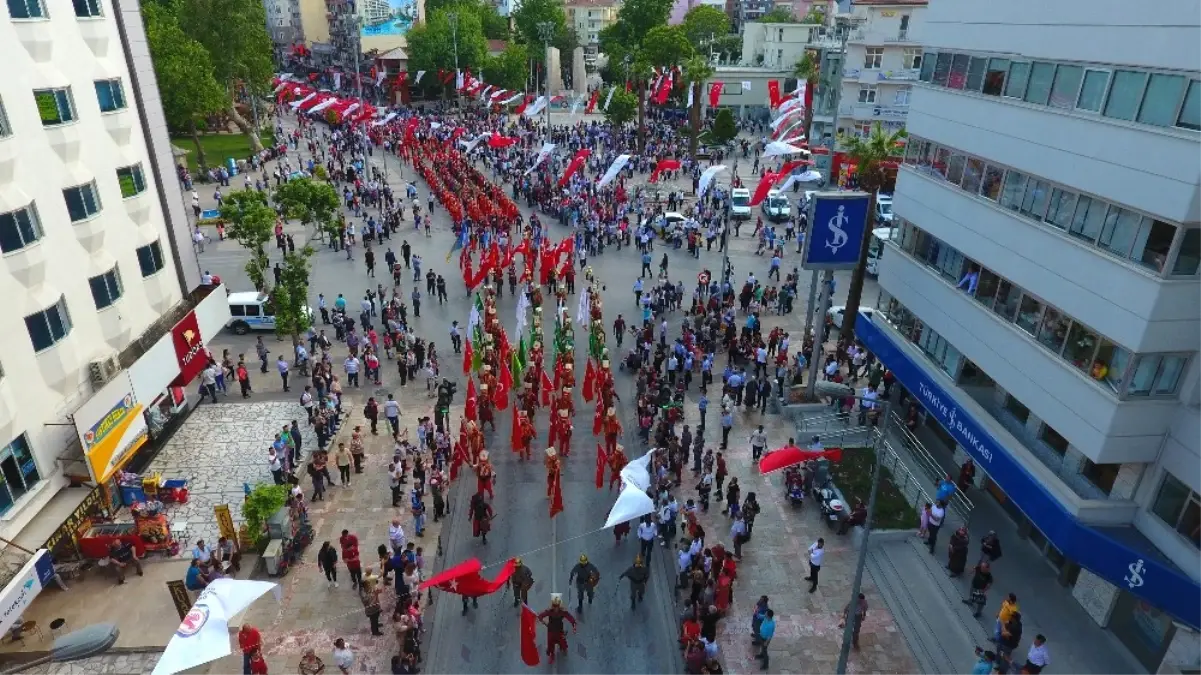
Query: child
{"type": "Point", "coordinates": [923, 529]}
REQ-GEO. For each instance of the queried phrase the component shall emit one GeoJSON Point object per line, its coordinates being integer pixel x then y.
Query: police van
{"type": "Point", "coordinates": [249, 311]}
{"type": "Point", "coordinates": [776, 207]}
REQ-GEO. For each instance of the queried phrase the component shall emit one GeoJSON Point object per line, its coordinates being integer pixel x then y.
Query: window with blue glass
{"type": "Point", "coordinates": [18, 472]}
{"type": "Point", "coordinates": [26, 9]}
{"type": "Point", "coordinates": [110, 95]}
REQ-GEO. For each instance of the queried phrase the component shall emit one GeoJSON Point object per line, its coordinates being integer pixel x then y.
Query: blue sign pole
{"type": "Point", "coordinates": [837, 225]}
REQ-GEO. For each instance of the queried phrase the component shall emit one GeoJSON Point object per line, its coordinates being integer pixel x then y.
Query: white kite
{"type": "Point", "coordinates": [614, 169]}
{"type": "Point", "coordinates": [203, 635]}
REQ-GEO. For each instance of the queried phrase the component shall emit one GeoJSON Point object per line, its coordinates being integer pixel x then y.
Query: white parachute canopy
{"type": "Point", "coordinates": [203, 636]}
{"type": "Point", "coordinates": [707, 177]}
{"type": "Point", "coordinates": [637, 472]}
{"type": "Point", "coordinates": [631, 503]}
{"type": "Point", "coordinates": [778, 148]}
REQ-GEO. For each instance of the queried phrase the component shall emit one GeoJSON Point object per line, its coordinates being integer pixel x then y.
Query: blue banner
{"type": "Point", "coordinates": [1128, 562]}
{"type": "Point", "coordinates": [837, 221]}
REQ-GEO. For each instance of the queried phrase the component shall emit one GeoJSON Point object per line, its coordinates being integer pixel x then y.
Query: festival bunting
{"type": "Point", "coordinates": [609, 97]}
{"type": "Point", "coordinates": [715, 89]}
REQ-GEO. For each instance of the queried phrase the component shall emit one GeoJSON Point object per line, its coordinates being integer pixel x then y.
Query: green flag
{"type": "Point", "coordinates": [515, 367]}
{"type": "Point", "coordinates": [522, 356]}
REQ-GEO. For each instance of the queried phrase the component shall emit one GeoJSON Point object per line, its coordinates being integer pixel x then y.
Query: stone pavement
{"type": "Point", "coordinates": [120, 663]}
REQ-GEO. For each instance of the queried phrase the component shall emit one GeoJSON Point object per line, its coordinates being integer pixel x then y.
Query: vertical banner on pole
{"type": "Point", "coordinates": [837, 221]}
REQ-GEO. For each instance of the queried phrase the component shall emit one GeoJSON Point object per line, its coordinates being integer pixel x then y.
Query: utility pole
{"type": "Point", "coordinates": [453, 17]}
{"type": "Point", "coordinates": [546, 30]}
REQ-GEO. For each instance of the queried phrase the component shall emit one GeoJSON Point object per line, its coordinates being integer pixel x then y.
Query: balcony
{"type": "Point", "coordinates": [871, 37]}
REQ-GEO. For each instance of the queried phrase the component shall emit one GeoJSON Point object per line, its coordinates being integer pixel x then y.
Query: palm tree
{"type": "Point", "coordinates": [870, 155]}
{"type": "Point", "coordinates": [809, 70]}
{"type": "Point", "coordinates": [698, 71]}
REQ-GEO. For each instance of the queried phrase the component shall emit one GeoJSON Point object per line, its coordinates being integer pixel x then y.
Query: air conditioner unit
{"type": "Point", "coordinates": [104, 370]}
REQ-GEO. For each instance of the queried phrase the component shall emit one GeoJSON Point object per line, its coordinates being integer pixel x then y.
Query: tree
{"type": "Point", "coordinates": [640, 72]}
{"type": "Point", "coordinates": [311, 202]}
{"type": "Point", "coordinates": [531, 14]}
{"type": "Point", "coordinates": [622, 107]}
{"type": "Point", "coordinates": [510, 69]}
{"type": "Point", "coordinates": [234, 32]}
{"type": "Point", "coordinates": [186, 84]}
{"type": "Point", "coordinates": [290, 296]}
{"type": "Point", "coordinates": [697, 71]}
{"type": "Point", "coordinates": [495, 26]}
{"type": "Point", "coordinates": [808, 68]}
{"type": "Point", "coordinates": [723, 130]}
{"type": "Point", "coordinates": [869, 155]}
{"type": "Point", "coordinates": [666, 46]}
{"type": "Point", "coordinates": [251, 224]}
{"type": "Point", "coordinates": [635, 19]}
{"type": "Point", "coordinates": [431, 46]}
{"type": "Point", "coordinates": [703, 24]}
{"type": "Point", "coordinates": [729, 48]}
{"type": "Point", "coordinates": [777, 15]}
{"type": "Point", "coordinates": [816, 15]}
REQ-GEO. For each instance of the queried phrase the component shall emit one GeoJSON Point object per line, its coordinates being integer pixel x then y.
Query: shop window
{"type": "Point", "coordinates": [1179, 507]}
{"type": "Point", "coordinates": [1008, 297]}
{"type": "Point", "coordinates": [83, 201]}
{"type": "Point", "coordinates": [1125, 94]}
{"type": "Point", "coordinates": [958, 77]}
{"type": "Point", "coordinates": [1052, 439]}
{"type": "Point", "coordinates": [19, 229]}
{"type": "Point", "coordinates": [1162, 100]}
{"type": "Point", "coordinates": [1061, 208]}
{"type": "Point", "coordinates": [986, 288]}
{"type": "Point", "coordinates": [955, 168]}
{"type": "Point", "coordinates": [1038, 195]}
{"type": "Point", "coordinates": [26, 9]}
{"type": "Point", "coordinates": [18, 471]}
{"type": "Point", "coordinates": [994, 76]}
{"type": "Point", "coordinates": [942, 68]}
{"type": "Point", "coordinates": [973, 175]}
{"type": "Point", "coordinates": [1092, 90]}
{"type": "Point", "coordinates": [1030, 314]}
{"type": "Point", "coordinates": [150, 258]}
{"type": "Point", "coordinates": [1088, 219]}
{"type": "Point", "coordinates": [1054, 329]}
{"type": "Point", "coordinates": [1188, 257]}
{"type": "Point", "coordinates": [1118, 233]}
{"type": "Point", "coordinates": [1080, 346]}
{"type": "Point", "coordinates": [1152, 244]}
{"type": "Point", "coordinates": [106, 288]}
{"type": "Point", "coordinates": [1014, 190]}
{"type": "Point", "coordinates": [1019, 73]}
{"type": "Point", "coordinates": [1066, 86]}
{"type": "Point", "coordinates": [1015, 408]}
{"type": "Point", "coordinates": [975, 73]}
{"type": "Point", "coordinates": [49, 326]}
{"type": "Point", "coordinates": [1038, 90]}
{"type": "Point", "coordinates": [1101, 475]}
{"type": "Point", "coordinates": [55, 106]}
{"type": "Point", "coordinates": [1190, 112]}
{"type": "Point", "coordinates": [994, 176]}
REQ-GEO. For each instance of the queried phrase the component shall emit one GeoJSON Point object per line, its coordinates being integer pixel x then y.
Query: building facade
{"type": "Point", "coordinates": [97, 262]}
{"type": "Point", "coordinates": [883, 59]}
{"type": "Point", "coordinates": [284, 24]}
{"type": "Point", "coordinates": [589, 18]}
{"type": "Point", "coordinates": [1041, 295]}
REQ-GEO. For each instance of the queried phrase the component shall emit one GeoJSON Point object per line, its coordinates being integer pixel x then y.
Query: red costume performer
{"type": "Point", "coordinates": [475, 442]}
{"type": "Point", "coordinates": [484, 475]}
{"type": "Point", "coordinates": [526, 434]}
{"type": "Point", "coordinates": [617, 462]}
{"type": "Point", "coordinates": [553, 618]}
{"type": "Point", "coordinates": [485, 405]}
{"type": "Point", "coordinates": [487, 379]}
{"type": "Point", "coordinates": [553, 471]}
{"type": "Point", "coordinates": [563, 429]}
{"type": "Point", "coordinates": [612, 428]}
{"type": "Point", "coordinates": [566, 402]}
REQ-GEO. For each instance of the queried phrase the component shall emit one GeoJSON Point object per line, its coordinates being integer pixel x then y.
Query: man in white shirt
{"type": "Point", "coordinates": [937, 513]}
{"type": "Point", "coordinates": [351, 364]}
{"type": "Point", "coordinates": [392, 412]}
{"type": "Point", "coordinates": [646, 538]}
{"type": "Point", "coordinates": [817, 552]}
{"type": "Point", "coordinates": [1038, 657]}
{"type": "Point", "coordinates": [758, 443]}
{"type": "Point", "coordinates": [396, 536]}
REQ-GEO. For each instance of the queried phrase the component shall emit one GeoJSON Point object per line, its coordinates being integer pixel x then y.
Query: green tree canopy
{"type": "Point", "coordinates": [777, 15]}
{"type": "Point", "coordinates": [723, 129]}
{"type": "Point", "coordinates": [534, 12]}
{"type": "Point", "coordinates": [251, 223]}
{"type": "Point", "coordinates": [495, 26]}
{"type": "Point", "coordinates": [634, 20]}
{"type": "Point", "coordinates": [622, 107]}
{"type": "Point", "coordinates": [703, 25]}
{"type": "Point", "coordinates": [291, 295]}
{"type": "Point", "coordinates": [729, 47]}
{"type": "Point", "coordinates": [666, 46]}
{"type": "Point", "coordinates": [510, 69]}
{"type": "Point", "coordinates": [311, 202]}
{"type": "Point", "coordinates": [431, 46]}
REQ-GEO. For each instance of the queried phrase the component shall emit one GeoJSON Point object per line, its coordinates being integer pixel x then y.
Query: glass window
{"type": "Point", "coordinates": [6, 129]}
{"type": "Point", "coordinates": [1019, 72]}
{"type": "Point", "coordinates": [1162, 100]}
{"type": "Point", "coordinates": [19, 229]}
{"type": "Point", "coordinates": [991, 186]}
{"type": "Point", "coordinates": [1101, 475]}
{"type": "Point", "coordinates": [1125, 94]}
{"type": "Point", "coordinates": [1039, 88]}
{"type": "Point", "coordinates": [1038, 194]}
{"type": "Point", "coordinates": [914, 149]}
{"type": "Point", "coordinates": [942, 157]}
{"type": "Point", "coordinates": [131, 180]}
{"type": "Point", "coordinates": [911, 57]}
{"type": "Point", "coordinates": [1111, 364]}
{"type": "Point", "coordinates": [1054, 330]}
{"type": "Point", "coordinates": [1088, 219]}
{"type": "Point", "coordinates": [49, 326]}
{"type": "Point", "coordinates": [951, 263]}
{"type": "Point", "coordinates": [110, 95]}
{"type": "Point", "coordinates": [1008, 297]}
{"type": "Point", "coordinates": [955, 168]}
{"type": "Point", "coordinates": [1121, 226]}
{"type": "Point", "coordinates": [1067, 84]}
{"type": "Point", "coordinates": [54, 106]}
{"type": "Point", "coordinates": [1030, 313]}
{"type": "Point", "coordinates": [942, 68]}
{"type": "Point", "coordinates": [867, 93]}
{"type": "Point", "coordinates": [1092, 91]}
{"type": "Point", "coordinates": [1188, 258]}
{"type": "Point", "coordinates": [958, 76]}
{"type": "Point", "coordinates": [26, 9]}
{"type": "Point", "coordinates": [1061, 208]}
{"type": "Point", "coordinates": [1168, 377]}
{"type": "Point", "coordinates": [986, 288]}
{"type": "Point", "coordinates": [1190, 112]}
{"type": "Point", "coordinates": [927, 66]}
{"type": "Point", "coordinates": [237, 310]}
{"type": "Point", "coordinates": [1145, 369]}
{"type": "Point", "coordinates": [83, 201]}
{"type": "Point", "coordinates": [1152, 244]}
{"type": "Point", "coordinates": [87, 8]}
{"type": "Point", "coordinates": [1014, 407]}
{"type": "Point", "coordinates": [1015, 188]}
{"type": "Point", "coordinates": [150, 258]}
{"type": "Point", "coordinates": [994, 76]}
{"type": "Point", "coordinates": [1179, 507]}
{"type": "Point", "coordinates": [973, 174]}
{"type": "Point", "coordinates": [975, 73]}
{"type": "Point", "coordinates": [872, 57]}
{"type": "Point", "coordinates": [1080, 345]}
{"type": "Point", "coordinates": [106, 288]}
{"type": "Point", "coordinates": [1053, 439]}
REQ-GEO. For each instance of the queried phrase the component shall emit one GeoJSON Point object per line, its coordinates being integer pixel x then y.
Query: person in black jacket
{"type": "Point", "coordinates": [638, 576]}
{"type": "Point", "coordinates": [327, 560]}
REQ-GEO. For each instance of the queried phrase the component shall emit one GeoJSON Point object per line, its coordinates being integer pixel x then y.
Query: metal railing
{"type": "Point", "coordinates": [925, 462]}
{"type": "Point", "coordinates": [909, 485]}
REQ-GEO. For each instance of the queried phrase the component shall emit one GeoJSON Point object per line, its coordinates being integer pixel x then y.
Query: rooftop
{"type": "Point", "coordinates": [890, 3]}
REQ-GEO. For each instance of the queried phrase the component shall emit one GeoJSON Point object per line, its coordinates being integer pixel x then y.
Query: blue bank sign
{"type": "Point", "coordinates": [1142, 572]}
{"type": "Point", "coordinates": [837, 222]}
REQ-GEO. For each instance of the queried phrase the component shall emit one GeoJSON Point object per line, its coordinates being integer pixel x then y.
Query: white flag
{"type": "Point", "coordinates": [498, 93]}
{"type": "Point", "coordinates": [614, 169]}
{"type": "Point", "coordinates": [337, 80]}
{"type": "Point", "coordinates": [542, 155]}
{"type": "Point", "coordinates": [631, 504]}
{"type": "Point", "coordinates": [609, 97]}
{"type": "Point", "coordinates": [690, 87]}
{"type": "Point", "coordinates": [469, 146]}
{"type": "Point", "coordinates": [575, 105]}
{"type": "Point", "coordinates": [707, 177]}
{"type": "Point", "coordinates": [523, 305]}
{"type": "Point", "coordinates": [459, 79]}
{"type": "Point", "coordinates": [537, 107]}
{"type": "Point", "coordinates": [473, 320]}
{"type": "Point", "coordinates": [484, 93]}
{"type": "Point", "coordinates": [511, 99]}
{"type": "Point", "coordinates": [420, 74]}
{"type": "Point", "coordinates": [204, 634]}
{"type": "Point", "coordinates": [584, 310]}
{"type": "Point", "coordinates": [306, 99]}
{"type": "Point", "coordinates": [379, 77]}
{"type": "Point", "coordinates": [746, 85]}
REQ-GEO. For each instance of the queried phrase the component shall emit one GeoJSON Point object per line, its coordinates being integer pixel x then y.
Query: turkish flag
{"type": "Point", "coordinates": [465, 579]}
{"type": "Point", "coordinates": [503, 385]}
{"type": "Point", "coordinates": [596, 419]}
{"type": "Point", "coordinates": [589, 381]}
{"type": "Point", "coordinates": [467, 357]}
{"type": "Point", "coordinates": [529, 637]}
{"type": "Point", "coordinates": [592, 102]}
{"type": "Point", "coordinates": [664, 165]}
{"type": "Point", "coordinates": [765, 183]}
{"type": "Point", "coordinates": [515, 436]}
{"type": "Point", "coordinates": [791, 455]}
{"type": "Point", "coordinates": [601, 459]}
{"type": "Point", "coordinates": [470, 409]}
{"type": "Point", "coordinates": [500, 142]}
{"type": "Point", "coordinates": [577, 163]}
{"type": "Point", "coordinates": [546, 389]}
{"type": "Point", "coordinates": [525, 102]}
{"type": "Point", "coordinates": [556, 500]}
{"type": "Point", "coordinates": [773, 92]}
{"type": "Point", "coordinates": [715, 93]}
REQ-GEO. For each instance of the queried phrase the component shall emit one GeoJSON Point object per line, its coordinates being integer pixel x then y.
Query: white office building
{"type": "Point", "coordinates": [96, 266]}
{"type": "Point", "coordinates": [883, 59]}
{"type": "Point", "coordinates": [1042, 293]}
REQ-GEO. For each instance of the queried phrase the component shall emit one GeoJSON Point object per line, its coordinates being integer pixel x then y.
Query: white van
{"type": "Point", "coordinates": [883, 209]}
{"type": "Point", "coordinates": [740, 204]}
{"type": "Point", "coordinates": [249, 311]}
{"type": "Point", "coordinates": [875, 248]}
{"type": "Point", "coordinates": [776, 207]}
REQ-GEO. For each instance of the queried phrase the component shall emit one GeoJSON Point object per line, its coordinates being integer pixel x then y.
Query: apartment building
{"type": "Point", "coordinates": [882, 63]}
{"type": "Point", "coordinates": [1041, 297]}
{"type": "Point", "coordinates": [284, 24]}
{"type": "Point", "coordinates": [105, 314]}
{"type": "Point", "coordinates": [589, 18]}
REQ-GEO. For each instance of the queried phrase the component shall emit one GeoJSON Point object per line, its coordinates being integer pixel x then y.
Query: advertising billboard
{"type": "Point", "coordinates": [382, 18]}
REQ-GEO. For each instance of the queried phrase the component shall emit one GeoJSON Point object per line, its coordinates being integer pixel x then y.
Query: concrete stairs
{"type": "Point", "coordinates": [939, 629]}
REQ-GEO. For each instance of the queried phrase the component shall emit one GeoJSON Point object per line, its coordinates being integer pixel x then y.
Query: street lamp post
{"type": "Point", "coordinates": [453, 18]}
{"type": "Point", "coordinates": [546, 31]}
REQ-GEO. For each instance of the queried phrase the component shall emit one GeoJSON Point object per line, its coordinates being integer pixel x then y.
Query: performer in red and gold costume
{"type": "Point", "coordinates": [528, 398]}
{"type": "Point", "coordinates": [536, 349]}
{"type": "Point", "coordinates": [526, 434]}
{"type": "Point", "coordinates": [617, 462]}
{"type": "Point", "coordinates": [553, 470]}
{"type": "Point", "coordinates": [565, 401]}
{"type": "Point", "coordinates": [604, 382]}
{"type": "Point", "coordinates": [486, 405]}
{"type": "Point", "coordinates": [487, 378]}
{"type": "Point", "coordinates": [475, 441]}
{"type": "Point", "coordinates": [612, 429]}
{"type": "Point", "coordinates": [484, 475]}
{"type": "Point", "coordinates": [562, 433]}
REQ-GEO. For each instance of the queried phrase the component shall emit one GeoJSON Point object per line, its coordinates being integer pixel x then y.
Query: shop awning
{"type": "Point", "coordinates": [54, 515]}
{"type": "Point", "coordinates": [1120, 555]}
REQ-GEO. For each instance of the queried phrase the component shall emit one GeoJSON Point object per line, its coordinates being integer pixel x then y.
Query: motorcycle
{"type": "Point", "coordinates": [794, 487]}
{"type": "Point", "coordinates": [832, 508]}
